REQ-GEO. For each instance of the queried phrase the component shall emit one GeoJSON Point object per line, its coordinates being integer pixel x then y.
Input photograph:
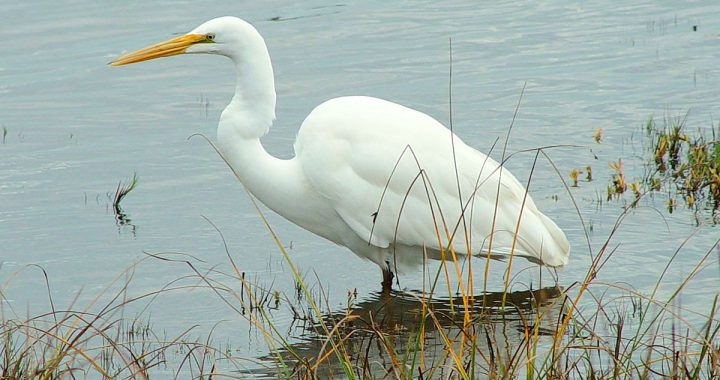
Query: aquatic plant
{"type": "Point", "coordinates": [684, 165]}
{"type": "Point", "coordinates": [122, 190]}
{"type": "Point", "coordinates": [618, 185]}
{"type": "Point", "coordinates": [574, 174]}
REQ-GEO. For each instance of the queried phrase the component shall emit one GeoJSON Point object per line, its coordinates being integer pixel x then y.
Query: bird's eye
{"type": "Point", "coordinates": [210, 37]}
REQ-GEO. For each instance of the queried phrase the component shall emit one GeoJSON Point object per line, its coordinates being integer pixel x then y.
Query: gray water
{"type": "Point", "coordinates": [76, 127]}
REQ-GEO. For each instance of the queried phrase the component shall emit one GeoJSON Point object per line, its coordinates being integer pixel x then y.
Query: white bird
{"type": "Point", "coordinates": [388, 182]}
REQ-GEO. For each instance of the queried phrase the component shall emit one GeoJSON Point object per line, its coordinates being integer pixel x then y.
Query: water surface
{"type": "Point", "coordinates": [76, 127]}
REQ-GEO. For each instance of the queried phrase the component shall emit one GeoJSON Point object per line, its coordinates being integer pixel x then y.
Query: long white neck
{"type": "Point", "coordinates": [248, 117]}
{"type": "Point", "coordinates": [254, 91]}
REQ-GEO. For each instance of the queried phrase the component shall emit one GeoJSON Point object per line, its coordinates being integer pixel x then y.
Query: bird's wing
{"type": "Point", "coordinates": [389, 172]}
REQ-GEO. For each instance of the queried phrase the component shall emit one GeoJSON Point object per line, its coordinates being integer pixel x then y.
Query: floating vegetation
{"type": "Point", "coordinates": [682, 164]}
{"type": "Point", "coordinates": [597, 135]}
{"type": "Point", "coordinates": [689, 164]}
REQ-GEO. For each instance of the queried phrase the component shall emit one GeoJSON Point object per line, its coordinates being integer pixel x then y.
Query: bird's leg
{"type": "Point", "coordinates": [387, 278]}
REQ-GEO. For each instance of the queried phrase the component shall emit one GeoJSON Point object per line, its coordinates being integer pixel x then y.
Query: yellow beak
{"type": "Point", "coordinates": [168, 48]}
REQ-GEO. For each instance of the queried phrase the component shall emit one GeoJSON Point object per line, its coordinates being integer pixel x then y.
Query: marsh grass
{"type": "Point", "coordinates": [683, 163]}
{"type": "Point", "coordinates": [97, 340]}
{"type": "Point", "coordinates": [590, 329]}
{"type": "Point", "coordinates": [122, 190]}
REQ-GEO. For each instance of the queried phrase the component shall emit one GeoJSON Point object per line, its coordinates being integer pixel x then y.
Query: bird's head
{"type": "Point", "coordinates": [228, 36]}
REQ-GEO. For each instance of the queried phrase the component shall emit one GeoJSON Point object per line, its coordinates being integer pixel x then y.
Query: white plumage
{"type": "Point", "coordinates": [368, 174]}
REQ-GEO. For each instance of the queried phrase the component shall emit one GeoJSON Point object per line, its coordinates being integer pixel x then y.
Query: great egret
{"type": "Point", "coordinates": [388, 182]}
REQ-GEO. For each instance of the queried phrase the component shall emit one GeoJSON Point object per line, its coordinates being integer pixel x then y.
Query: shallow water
{"type": "Point", "coordinates": [76, 127]}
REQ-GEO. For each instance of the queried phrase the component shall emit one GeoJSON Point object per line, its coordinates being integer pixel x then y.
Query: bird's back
{"type": "Point", "coordinates": [389, 173]}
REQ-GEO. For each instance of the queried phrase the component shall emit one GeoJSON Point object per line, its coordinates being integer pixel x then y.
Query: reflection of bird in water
{"type": "Point", "coordinates": [388, 182]}
{"type": "Point", "coordinates": [398, 317]}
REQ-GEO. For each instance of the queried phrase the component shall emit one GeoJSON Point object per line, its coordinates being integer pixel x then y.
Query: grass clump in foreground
{"type": "Point", "coordinates": [547, 333]}
{"type": "Point", "coordinates": [97, 340]}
